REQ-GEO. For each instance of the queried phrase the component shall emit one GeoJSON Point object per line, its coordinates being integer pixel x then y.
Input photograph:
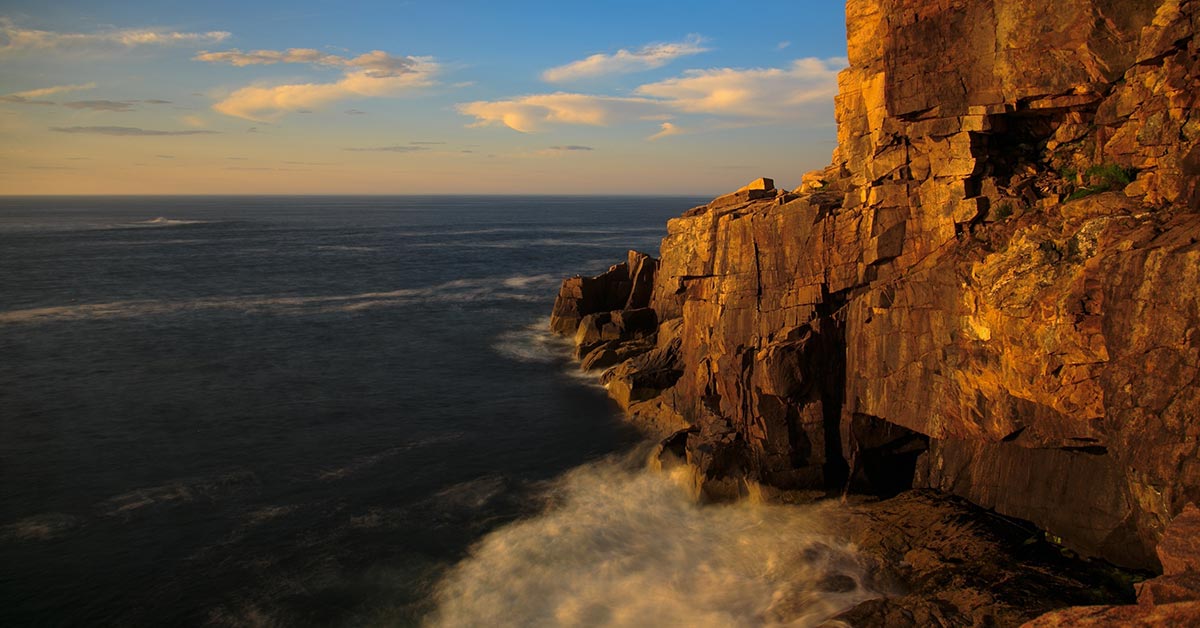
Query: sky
{"type": "Point", "coordinates": [414, 97]}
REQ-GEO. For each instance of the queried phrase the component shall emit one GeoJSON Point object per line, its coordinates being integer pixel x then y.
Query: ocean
{"type": "Point", "coordinates": [347, 411]}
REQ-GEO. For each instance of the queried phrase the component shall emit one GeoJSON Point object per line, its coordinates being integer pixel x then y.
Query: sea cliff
{"type": "Point", "coordinates": [993, 291]}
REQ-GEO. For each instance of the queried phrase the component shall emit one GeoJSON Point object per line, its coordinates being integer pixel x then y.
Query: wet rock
{"type": "Point", "coordinates": [1167, 615]}
{"type": "Point", "coordinates": [1169, 600]}
{"type": "Point", "coordinates": [949, 563]}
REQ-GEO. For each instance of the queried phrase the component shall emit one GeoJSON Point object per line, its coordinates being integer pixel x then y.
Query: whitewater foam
{"type": "Point", "coordinates": [534, 343]}
{"type": "Point", "coordinates": [625, 546]}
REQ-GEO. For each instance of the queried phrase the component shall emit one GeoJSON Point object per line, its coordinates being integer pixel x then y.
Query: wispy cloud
{"type": "Point", "coordinates": [32, 96]}
{"type": "Point", "coordinates": [375, 73]}
{"type": "Point", "coordinates": [766, 93]}
{"type": "Point", "coordinates": [402, 148]}
{"type": "Point", "coordinates": [18, 100]}
{"type": "Point", "coordinates": [666, 129]}
{"type": "Point", "coordinates": [625, 61]}
{"type": "Point", "coordinates": [803, 89]}
{"type": "Point", "coordinates": [570, 147]}
{"type": "Point", "coordinates": [377, 62]}
{"type": "Point", "coordinates": [124, 131]}
{"type": "Point", "coordinates": [528, 114]}
{"type": "Point", "coordinates": [16, 39]}
{"type": "Point", "coordinates": [100, 105]}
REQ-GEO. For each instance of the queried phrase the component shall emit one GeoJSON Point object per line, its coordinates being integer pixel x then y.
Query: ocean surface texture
{"type": "Point", "coordinates": [344, 412]}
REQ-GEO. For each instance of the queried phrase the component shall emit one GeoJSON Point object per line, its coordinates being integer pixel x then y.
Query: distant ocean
{"type": "Point", "coordinates": [345, 411]}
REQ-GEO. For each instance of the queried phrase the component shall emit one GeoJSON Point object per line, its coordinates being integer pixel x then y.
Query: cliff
{"type": "Point", "coordinates": [993, 291]}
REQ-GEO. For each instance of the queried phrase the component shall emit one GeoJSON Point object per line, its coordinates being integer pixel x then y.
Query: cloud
{"type": "Point", "coordinates": [528, 114]}
{"type": "Point", "coordinates": [30, 97]}
{"type": "Point", "coordinates": [123, 131]}
{"type": "Point", "coordinates": [16, 39]}
{"type": "Point", "coordinates": [769, 93]}
{"type": "Point", "coordinates": [100, 105]}
{"type": "Point", "coordinates": [571, 147]}
{"type": "Point", "coordinates": [666, 129]}
{"type": "Point", "coordinates": [355, 112]}
{"type": "Point", "coordinates": [157, 101]}
{"type": "Point", "coordinates": [624, 61]}
{"type": "Point", "coordinates": [376, 63]}
{"type": "Point", "coordinates": [782, 45]}
{"type": "Point", "coordinates": [803, 89]}
{"type": "Point", "coordinates": [25, 101]}
{"type": "Point", "coordinates": [387, 149]}
{"type": "Point", "coordinates": [369, 75]}
{"type": "Point", "coordinates": [426, 143]}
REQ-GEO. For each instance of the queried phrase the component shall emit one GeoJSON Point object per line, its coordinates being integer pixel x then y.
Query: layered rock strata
{"type": "Point", "coordinates": [993, 291]}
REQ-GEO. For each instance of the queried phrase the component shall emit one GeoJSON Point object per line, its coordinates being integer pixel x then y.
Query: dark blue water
{"type": "Point", "coordinates": [283, 411]}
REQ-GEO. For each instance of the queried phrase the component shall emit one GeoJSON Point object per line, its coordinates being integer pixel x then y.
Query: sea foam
{"type": "Point", "coordinates": [625, 546]}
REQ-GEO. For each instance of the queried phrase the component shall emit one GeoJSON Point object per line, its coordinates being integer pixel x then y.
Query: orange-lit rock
{"type": "Point", "coordinates": [993, 291]}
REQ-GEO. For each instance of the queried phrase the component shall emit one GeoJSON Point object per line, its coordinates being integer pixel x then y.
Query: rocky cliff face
{"type": "Point", "coordinates": [994, 290]}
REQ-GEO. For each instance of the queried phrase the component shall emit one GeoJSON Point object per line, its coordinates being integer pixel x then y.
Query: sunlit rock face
{"type": "Point", "coordinates": [994, 290]}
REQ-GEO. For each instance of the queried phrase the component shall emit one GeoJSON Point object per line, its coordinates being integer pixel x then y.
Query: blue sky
{"type": "Point", "coordinates": [414, 97]}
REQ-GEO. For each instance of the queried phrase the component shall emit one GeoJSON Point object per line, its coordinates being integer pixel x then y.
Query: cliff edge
{"type": "Point", "coordinates": [993, 291]}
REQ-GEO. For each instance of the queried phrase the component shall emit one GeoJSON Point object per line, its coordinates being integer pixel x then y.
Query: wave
{"type": "Point", "coordinates": [591, 379]}
{"type": "Point", "coordinates": [620, 546]}
{"type": "Point", "coordinates": [472, 495]}
{"type": "Point", "coordinates": [369, 460]}
{"type": "Point", "coordinates": [162, 221]}
{"type": "Point", "coordinates": [347, 248]}
{"type": "Point", "coordinates": [534, 343]}
{"type": "Point", "coordinates": [531, 229]}
{"type": "Point", "coordinates": [178, 492]}
{"type": "Point", "coordinates": [527, 288]}
{"type": "Point", "coordinates": [43, 527]}
{"type": "Point", "coordinates": [619, 242]}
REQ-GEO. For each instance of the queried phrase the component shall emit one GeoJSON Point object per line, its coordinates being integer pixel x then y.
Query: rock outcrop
{"type": "Point", "coordinates": [949, 563]}
{"type": "Point", "coordinates": [993, 291]}
{"type": "Point", "coordinates": [1172, 599]}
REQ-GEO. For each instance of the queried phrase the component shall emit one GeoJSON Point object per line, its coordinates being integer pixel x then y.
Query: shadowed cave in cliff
{"type": "Point", "coordinates": [1016, 164]}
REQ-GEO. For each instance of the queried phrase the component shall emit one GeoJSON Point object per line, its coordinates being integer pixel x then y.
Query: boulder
{"type": "Point", "coordinates": [1179, 550]}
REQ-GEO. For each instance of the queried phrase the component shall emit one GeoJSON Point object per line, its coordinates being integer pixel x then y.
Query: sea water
{"type": "Point", "coordinates": [347, 411]}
